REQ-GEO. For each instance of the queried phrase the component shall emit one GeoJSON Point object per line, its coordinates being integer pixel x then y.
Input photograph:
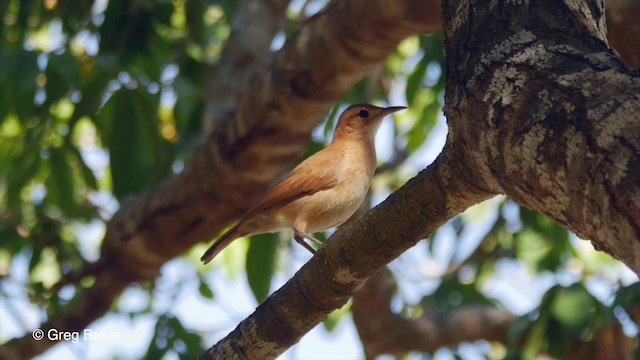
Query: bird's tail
{"type": "Point", "coordinates": [221, 243]}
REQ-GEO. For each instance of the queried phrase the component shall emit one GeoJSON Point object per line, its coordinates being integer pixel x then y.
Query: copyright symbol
{"type": "Point", "coordinates": [38, 334]}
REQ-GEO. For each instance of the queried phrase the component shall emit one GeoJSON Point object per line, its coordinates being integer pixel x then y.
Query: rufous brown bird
{"type": "Point", "coordinates": [324, 190]}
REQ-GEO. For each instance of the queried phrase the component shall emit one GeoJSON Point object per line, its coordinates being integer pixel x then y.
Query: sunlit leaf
{"type": "Point", "coordinates": [534, 341]}
{"type": "Point", "coordinates": [542, 244]}
{"type": "Point", "coordinates": [137, 151]}
{"type": "Point", "coordinates": [86, 172]}
{"type": "Point", "coordinates": [426, 120]}
{"type": "Point", "coordinates": [576, 309]}
{"type": "Point", "coordinates": [261, 259]}
{"type": "Point", "coordinates": [60, 184]}
{"type": "Point", "coordinates": [205, 289]}
{"type": "Point", "coordinates": [415, 79]}
{"type": "Point", "coordinates": [333, 320]}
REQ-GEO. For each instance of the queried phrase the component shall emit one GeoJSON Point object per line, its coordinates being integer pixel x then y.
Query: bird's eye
{"type": "Point", "coordinates": [363, 114]}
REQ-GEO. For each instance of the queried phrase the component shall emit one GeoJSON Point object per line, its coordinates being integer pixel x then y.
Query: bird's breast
{"type": "Point", "coordinates": [331, 207]}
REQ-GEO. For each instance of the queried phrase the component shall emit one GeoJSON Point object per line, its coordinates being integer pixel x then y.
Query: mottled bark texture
{"type": "Point", "coordinates": [545, 113]}
{"type": "Point", "coordinates": [384, 332]}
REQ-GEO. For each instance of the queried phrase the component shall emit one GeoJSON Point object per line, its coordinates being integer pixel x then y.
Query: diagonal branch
{"type": "Point", "coordinates": [390, 333]}
{"type": "Point", "coordinates": [355, 252]}
{"type": "Point", "coordinates": [246, 53]}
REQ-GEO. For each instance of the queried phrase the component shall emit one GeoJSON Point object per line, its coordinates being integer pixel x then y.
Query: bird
{"type": "Point", "coordinates": [323, 191]}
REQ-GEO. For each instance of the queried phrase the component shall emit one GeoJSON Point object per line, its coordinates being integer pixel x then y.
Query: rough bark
{"type": "Point", "coordinates": [385, 332]}
{"type": "Point", "coordinates": [548, 115]}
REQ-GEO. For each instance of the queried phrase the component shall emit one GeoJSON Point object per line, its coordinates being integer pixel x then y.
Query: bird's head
{"type": "Point", "coordinates": [362, 119]}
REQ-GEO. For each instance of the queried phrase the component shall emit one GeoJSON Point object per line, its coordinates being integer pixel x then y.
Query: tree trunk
{"type": "Point", "coordinates": [543, 111]}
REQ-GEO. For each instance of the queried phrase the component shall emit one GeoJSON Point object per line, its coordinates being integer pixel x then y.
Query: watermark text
{"type": "Point", "coordinates": [75, 336]}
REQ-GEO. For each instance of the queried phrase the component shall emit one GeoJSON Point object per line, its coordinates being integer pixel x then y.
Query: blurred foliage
{"type": "Point", "coordinates": [171, 336]}
{"type": "Point", "coordinates": [102, 100]}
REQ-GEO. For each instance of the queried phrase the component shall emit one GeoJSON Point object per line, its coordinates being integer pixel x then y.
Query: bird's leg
{"type": "Point", "coordinates": [299, 237]}
{"type": "Point", "coordinates": [311, 238]}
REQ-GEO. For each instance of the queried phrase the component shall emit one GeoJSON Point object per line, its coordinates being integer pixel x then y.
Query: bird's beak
{"type": "Point", "coordinates": [392, 109]}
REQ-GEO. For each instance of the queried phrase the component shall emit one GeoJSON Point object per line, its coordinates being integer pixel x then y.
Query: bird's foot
{"type": "Point", "coordinates": [299, 237]}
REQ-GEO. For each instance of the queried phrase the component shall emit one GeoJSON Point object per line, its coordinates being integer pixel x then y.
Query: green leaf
{"type": "Point", "coordinates": [261, 259]}
{"type": "Point", "coordinates": [628, 297]}
{"type": "Point", "coordinates": [451, 294]}
{"type": "Point", "coordinates": [558, 339]}
{"type": "Point", "coordinates": [575, 308]}
{"type": "Point", "coordinates": [333, 320]}
{"type": "Point", "coordinates": [518, 330]}
{"type": "Point", "coordinates": [188, 107]}
{"type": "Point", "coordinates": [415, 79]}
{"type": "Point", "coordinates": [129, 121]}
{"type": "Point", "coordinates": [60, 183]}
{"type": "Point", "coordinates": [160, 343]}
{"type": "Point", "coordinates": [95, 77]}
{"type": "Point", "coordinates": [205, 289]}
{"type": "Point", "coordinates": [86, 172]}
{"type": "Point", "coordinates": [541, 244]}
{"type": "Point", "coordinates": [536, 336]}
{"type": "Point", "coordinates": [11, 240]}
{"type": "Point", "coordinates": [20, 88]}
{"type": "Point", "coordinates": [330, 124]}
{"type": "Point", "coordinates": [426, 120]}
{"type": "Point", "coordinates": [63, 74]}
{"type": "Point", "coordinates": [4, 90]}
{"type": "Point", "coordinates": [171, 335]}
{"type": "Point", "coordinates": [26, 166]}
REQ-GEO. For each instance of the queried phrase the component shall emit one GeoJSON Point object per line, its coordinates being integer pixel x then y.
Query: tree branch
{"type": "Point", "coordinates": [246, 53]}
{"type": "Point", "coordinates": [384, 332]}
{"type": "Point", "coordinates": [355, 252]}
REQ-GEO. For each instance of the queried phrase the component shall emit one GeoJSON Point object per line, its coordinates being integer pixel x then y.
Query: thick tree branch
{"type": "Point", "coordinates": [355, 252]}
{"type": "Point", "coordinates": [270, 128]}
{"type": "Point", "coordinates": [246, 53]}
{"type": "Point", "coordinates": [385, 332]}
{"type": "Point", "coordinates": [548, 115]}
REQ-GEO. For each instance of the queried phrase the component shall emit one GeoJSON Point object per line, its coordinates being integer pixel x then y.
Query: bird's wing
{"type": "Point", "coordinates": [306, 179]}
{"type": "Point", "coordinates": [309, 177]}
